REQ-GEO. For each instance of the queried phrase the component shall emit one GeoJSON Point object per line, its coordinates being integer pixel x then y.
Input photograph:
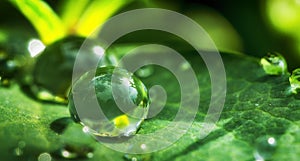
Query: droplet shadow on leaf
{"type": "Point", "coordinates": [61, 124]}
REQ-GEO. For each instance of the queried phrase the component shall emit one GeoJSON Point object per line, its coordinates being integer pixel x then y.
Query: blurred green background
{"type": "Point", "coordinates": [253, 27]}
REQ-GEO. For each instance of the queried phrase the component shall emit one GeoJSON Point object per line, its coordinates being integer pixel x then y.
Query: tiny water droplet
{"type": "Point", "coordinates": [143, 146]}
{"type": "Point", "coordinates": [265, 148]}
{"type": "Point", "coordinates": [274, 64]}
{"type": "Point", "coordinates": [18, 151]}
{"type": "Point", "coordinates": [75, 152]}
{"type": "Point", "coordinates": [185, 66]}
{"type": "Point", "coordinates": [44, 157]}
{"type": "Point", "coordinates": [110, 84]}
{"type": "Point", "coordinates": [295, 81]}
{"type": "Point", "coordinates": [145, 71]}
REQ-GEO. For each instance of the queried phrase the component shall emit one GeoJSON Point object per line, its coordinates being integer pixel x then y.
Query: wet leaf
{"type": "Point", "coordinates": [257, 105]}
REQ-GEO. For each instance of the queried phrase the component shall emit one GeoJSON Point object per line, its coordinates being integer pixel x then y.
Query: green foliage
{"type": "Point", "coordinates": [80, 19]}
{"type": "Point", "coordinates": [43, 18]}
{"type": "Point", "coordinates": [257, 105]}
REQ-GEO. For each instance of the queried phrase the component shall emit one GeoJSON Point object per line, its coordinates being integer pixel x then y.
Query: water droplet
{"type": "Point", "coordinates": [185, 66]}
{"type": "Point", "coordinates": [265, 148]}
{"type": "Point", "coordinates": [274, 64]}
{"type": "Point", "coordinates": [18, 151]}
{"type": "Point", "coordinates": [115, 89]}
{"type": "Point", "coordinates": [295, 81]}
{"type": "Point", "coordinates": [145, 71]}
{"type": "Point", "coordinates": [52, 73]}
{"type": "Point", "coordinates": [44, 157]}
{"type": "Point", "coordinates": [74, 152]}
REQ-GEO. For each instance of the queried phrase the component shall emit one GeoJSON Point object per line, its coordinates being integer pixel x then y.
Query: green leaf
{"type": "Point", "coordinates": [70, 13]}
{"type": "Point", "coordinates": [96, 14]}
{"type": "Point", "coordinates": [43, 18]}
{"type": "Point", "coordinates": [257, 105]}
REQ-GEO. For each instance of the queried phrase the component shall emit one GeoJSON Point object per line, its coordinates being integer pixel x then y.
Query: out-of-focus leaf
{"type": "Point", "coordinates": [96, 14]}
{"type": "Point", "coordinates": [70, 11]}
{"type": "Point", "coordinates": [43, 18]}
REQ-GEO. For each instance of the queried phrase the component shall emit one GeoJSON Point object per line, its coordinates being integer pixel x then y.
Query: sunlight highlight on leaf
{"type": "Point", "coordinates": [70, 13]}
{"type": "Point", "coordinates": [96, 14]}
{"type": "Point", "coordinates": [43, 18]}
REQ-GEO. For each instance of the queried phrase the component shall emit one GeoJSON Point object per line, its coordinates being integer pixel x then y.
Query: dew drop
{"type": "Point", "coordinates": [185, 66]}
{"type": "Point", "coordinates": [18, 151]}
{"type": "Point", "coordinates": [114, 87]}
{"type": "Point", "coordinates": [44, 157]}
{"type": "Point", "coordinates": [295, 81]}
{"type": "Point", "coordinates": [53, 70]}
{"type": "Point", "coordinates": [265, 148]}
{"type": "Point", "coordinates": [274, 64]}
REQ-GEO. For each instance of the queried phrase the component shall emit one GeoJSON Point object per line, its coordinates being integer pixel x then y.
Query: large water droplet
{"type": "Point", "coordinates": [53, 70]}
{"type": "Point", "coordinates": [295, 81]}
{"type": "Point", "coordinates": [274, 64]}
{"type": "Point", "coordinates": [122, 97]}
{"type": "Point", "coordinates": [265, 148]}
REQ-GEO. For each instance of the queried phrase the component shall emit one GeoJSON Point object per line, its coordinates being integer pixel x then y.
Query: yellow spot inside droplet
{"type": "Point", "coordinates": [121, 121]}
